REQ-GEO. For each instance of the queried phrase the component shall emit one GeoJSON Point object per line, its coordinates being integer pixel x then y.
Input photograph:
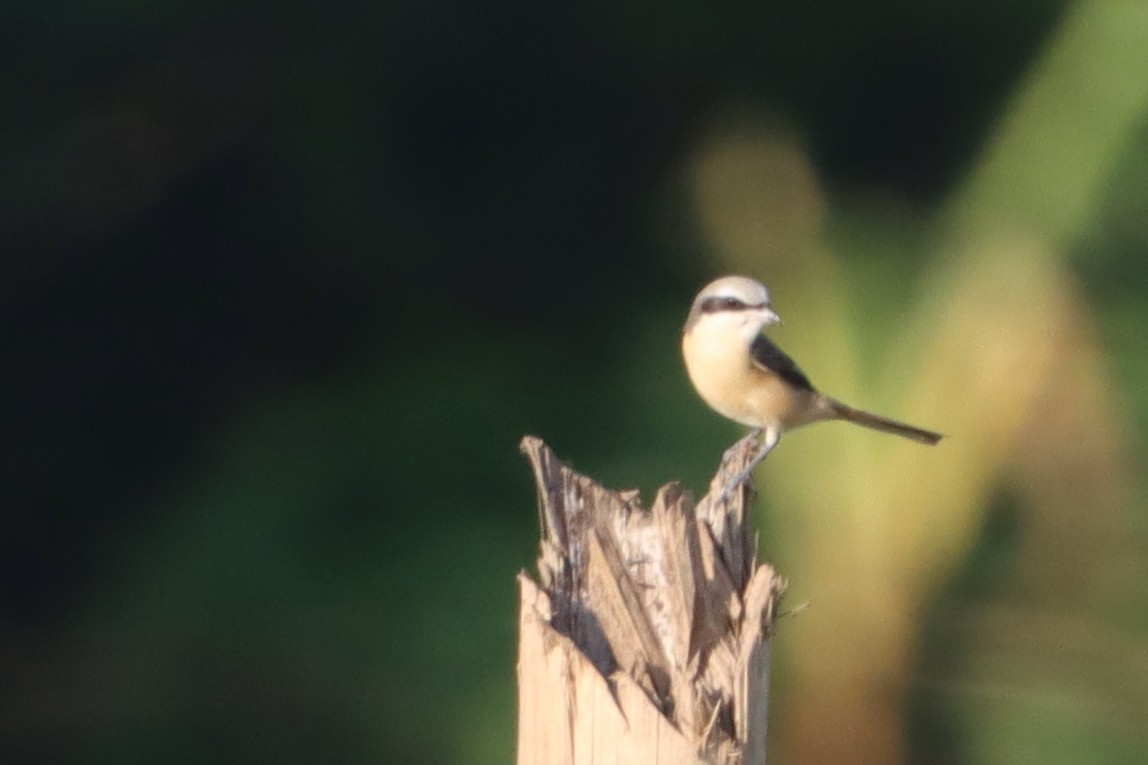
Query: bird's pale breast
{"type": "Point", "coordinates": [727, 379]}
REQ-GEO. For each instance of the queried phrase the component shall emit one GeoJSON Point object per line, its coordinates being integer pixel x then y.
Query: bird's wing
{"type": "Point", "coordinates": [772, 359]}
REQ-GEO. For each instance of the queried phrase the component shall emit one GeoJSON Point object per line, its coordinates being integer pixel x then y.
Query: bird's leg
{"type": "Point", "coordinates": [769, 438]}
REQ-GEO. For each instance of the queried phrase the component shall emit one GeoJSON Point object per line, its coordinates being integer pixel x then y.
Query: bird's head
{"type": "Point", "coordinates": [736, 303]}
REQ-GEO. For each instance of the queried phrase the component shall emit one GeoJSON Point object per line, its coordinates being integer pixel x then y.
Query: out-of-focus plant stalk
{"type": "Point", "coordinates": [871, 527]}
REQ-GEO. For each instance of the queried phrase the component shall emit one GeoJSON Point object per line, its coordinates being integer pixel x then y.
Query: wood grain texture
{"type": "Point", "coordinates": [647, 638]}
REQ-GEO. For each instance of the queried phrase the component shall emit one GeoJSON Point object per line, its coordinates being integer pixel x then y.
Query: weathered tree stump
{"type": "Point", "coordinates": [647, 639]}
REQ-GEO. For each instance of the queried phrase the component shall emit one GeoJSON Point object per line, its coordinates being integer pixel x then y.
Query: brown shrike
{"type": "Point", "coordinates": [741, 374]}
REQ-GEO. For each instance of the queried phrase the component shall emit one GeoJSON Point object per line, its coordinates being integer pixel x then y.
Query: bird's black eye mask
{"type": "Point", "coordinates": [718, 304]}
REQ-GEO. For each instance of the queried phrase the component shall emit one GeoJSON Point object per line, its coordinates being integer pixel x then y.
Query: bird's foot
{"type": "Point", "coordinates": [752, 437]}
{"type": "Point", "coordinates": [733, 485]}
{"type": "Point", "coordinates": [768, 441]}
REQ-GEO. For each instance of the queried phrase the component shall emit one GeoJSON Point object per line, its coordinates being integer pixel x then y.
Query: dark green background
{"type": "Point", "coordinates": [282, 285]}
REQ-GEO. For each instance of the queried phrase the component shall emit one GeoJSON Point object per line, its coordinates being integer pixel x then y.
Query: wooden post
{"type": "Point", "coordinates": [646, 639]}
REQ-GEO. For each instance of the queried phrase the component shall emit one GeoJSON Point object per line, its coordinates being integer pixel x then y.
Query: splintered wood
{"type": "Point", "coordinates": [647, 638]}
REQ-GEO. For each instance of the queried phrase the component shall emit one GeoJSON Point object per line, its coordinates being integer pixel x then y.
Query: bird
{"type": "Point", "coordinates": [741, 374]}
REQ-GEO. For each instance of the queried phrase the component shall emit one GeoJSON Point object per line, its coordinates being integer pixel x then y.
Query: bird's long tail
{"type": "Point", "coordinates": [884, 424]}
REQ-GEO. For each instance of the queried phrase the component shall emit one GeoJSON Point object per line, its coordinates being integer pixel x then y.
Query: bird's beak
{"type": "Point", "coordinates": [771, 316]}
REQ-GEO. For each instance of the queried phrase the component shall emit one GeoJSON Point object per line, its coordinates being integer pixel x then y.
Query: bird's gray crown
{"type": "Point", "coordinates": [729, 293]}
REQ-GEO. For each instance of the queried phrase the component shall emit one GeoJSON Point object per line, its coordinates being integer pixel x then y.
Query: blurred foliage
{"type": "Point", "coordinates": [284, 285]}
